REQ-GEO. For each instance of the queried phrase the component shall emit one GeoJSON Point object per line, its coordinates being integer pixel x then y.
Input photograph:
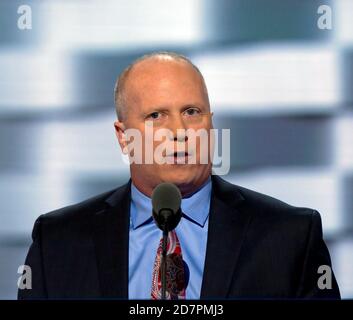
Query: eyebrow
{"type": "Point", "coordinates": [192, 105]}
{"type": "Point", "coordinates": [184, 107]}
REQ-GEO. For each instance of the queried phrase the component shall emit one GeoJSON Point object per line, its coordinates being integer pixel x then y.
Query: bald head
{"type": "Point", "coordinates": [148, 65]}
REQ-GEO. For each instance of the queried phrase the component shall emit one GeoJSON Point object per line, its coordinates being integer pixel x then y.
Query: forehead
{"type": "Point", "coordinates": [162, 76]}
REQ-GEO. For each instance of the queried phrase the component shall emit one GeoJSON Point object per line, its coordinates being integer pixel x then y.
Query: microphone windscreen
{"type": "Point", "coordinates": [166, 196]}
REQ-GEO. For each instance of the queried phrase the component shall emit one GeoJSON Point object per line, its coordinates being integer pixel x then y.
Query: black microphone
{"type": "Point", "coordinates": [166, 200]}
{"type": "Point", "coordinates": [166, 212]}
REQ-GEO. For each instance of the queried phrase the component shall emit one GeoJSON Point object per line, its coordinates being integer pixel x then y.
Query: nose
{"type": "Point", "coordinates": [177, 122]}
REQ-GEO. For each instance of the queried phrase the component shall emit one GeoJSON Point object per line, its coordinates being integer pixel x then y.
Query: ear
{"type": "Point", "coordinates": [120, 134]}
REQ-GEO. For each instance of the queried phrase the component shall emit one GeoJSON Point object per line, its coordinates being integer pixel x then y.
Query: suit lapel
{"type": "Point", "coordinates": [111, 238]}
{"type": "Point", "coordinates": [226, 231]}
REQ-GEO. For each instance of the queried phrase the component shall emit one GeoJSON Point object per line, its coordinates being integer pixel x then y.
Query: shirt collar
{"type": "Point", "coordinates": [195, 208]}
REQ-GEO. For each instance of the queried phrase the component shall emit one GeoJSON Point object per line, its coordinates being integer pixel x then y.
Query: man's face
{"type": "Point", "coordinates": [168, 94]}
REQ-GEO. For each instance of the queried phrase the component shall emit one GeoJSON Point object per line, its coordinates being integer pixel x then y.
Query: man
{"type": "Point", "coordinates": [233, 242]}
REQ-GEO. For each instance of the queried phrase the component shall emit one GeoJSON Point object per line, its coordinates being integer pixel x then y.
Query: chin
{"type": "Point", "coordinates": [185, 177]}
{"type": "Point", "coordinates": [180, 177]}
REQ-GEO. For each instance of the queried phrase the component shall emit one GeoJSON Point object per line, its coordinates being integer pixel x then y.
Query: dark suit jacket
{"type": "Point", "coordinates": [258, 247]}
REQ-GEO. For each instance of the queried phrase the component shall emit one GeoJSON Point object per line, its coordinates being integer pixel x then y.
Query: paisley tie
{"type": "Point", "coordinates": [175, 275]}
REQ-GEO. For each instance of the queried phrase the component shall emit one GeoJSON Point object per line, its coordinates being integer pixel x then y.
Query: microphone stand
{"type": "Point", "coordinates": [164, 263]}
{"type": "Point", "coordinates": [166, 219]}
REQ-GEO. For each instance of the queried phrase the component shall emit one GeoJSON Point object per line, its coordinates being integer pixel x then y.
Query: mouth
{"type": "Point", "coordinates": [180, 157]}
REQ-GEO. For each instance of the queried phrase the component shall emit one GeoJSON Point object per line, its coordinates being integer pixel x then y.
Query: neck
{"type": "Point", "coordinates": [186, 189]}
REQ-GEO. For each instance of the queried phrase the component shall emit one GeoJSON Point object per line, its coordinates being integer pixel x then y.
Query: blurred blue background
{"type": "Point", "coordinates": [282, 85]}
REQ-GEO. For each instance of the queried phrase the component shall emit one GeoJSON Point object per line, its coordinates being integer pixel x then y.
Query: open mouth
{"type": "Point", "coordinates": [179, 157]}
{"type": "Point", "coordinates": [180, 154]}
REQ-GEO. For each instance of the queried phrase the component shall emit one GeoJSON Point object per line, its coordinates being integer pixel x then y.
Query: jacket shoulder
{"type": "Point", "coordinates": [76, 217]}
{"type": "Point", "coordinates": [78, 210]}
{"type": "Point", "coordinates": [262, 205]}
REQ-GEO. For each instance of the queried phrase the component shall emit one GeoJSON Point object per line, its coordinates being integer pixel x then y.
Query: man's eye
{"type": "Point", "coordinates": [192, 112]}
{"type": "Point", "coordinates": [154, 115]}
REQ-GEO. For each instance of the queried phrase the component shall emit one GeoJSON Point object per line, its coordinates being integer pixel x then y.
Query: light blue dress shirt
{"type": "Point", "coordinates": [144, 237]}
